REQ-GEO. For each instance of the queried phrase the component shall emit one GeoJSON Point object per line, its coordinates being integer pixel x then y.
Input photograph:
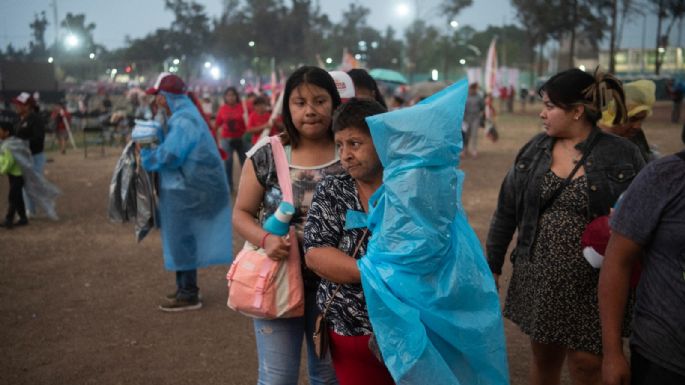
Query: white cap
{"type": "Point", "coordinates": [344, 84]}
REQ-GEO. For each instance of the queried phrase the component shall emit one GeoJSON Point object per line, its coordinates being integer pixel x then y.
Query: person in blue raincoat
{"type": "Point", "coordinates": [430, 297]}
{"type": "Point", "coordinates": [194, 202]}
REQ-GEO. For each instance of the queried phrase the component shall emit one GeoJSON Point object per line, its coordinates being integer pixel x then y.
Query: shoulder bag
{"type": "Point", "coordinates": [259, 286]}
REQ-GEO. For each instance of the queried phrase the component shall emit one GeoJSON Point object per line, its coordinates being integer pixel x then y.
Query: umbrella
{"type": "Point", "coordinates": [387, 75]}
{"type": "Point", "coordinates": [425, 89]}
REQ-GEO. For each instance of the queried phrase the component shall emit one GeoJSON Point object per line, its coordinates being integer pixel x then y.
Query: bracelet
{"type": "Point", "coordinates": [261, 244]}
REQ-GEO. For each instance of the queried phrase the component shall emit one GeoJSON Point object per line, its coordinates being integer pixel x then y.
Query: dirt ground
{"type": "Point", "coordinates": [78, 297]}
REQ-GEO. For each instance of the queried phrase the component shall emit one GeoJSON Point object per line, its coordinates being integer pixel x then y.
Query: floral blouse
{"type": "Point", "coordinates": [326, 227]}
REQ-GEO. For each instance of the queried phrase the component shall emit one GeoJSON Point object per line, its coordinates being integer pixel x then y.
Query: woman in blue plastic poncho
{"type": "Point", "coordinates": [331, 237]}
{"type": "Point", "coordinates": [194, 206]}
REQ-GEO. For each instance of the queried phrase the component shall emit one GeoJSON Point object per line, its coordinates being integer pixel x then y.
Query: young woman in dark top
{"type": "Point", "coordinates": [552, 295]}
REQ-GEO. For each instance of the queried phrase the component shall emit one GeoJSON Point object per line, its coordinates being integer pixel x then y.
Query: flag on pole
{"type": "Point", "coordinates": [491, 67]}
{"type": "Point", "coordinates": [490, 78]}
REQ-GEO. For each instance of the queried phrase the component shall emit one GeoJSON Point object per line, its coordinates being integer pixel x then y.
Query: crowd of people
{"type": "Point", "coordinates": [591, 163]}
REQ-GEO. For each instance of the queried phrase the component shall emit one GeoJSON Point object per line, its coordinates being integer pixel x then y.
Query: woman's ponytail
{"type": "Point", "coordinates": [606, 88]}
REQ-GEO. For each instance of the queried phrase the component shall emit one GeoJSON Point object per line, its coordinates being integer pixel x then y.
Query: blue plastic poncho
{"type": "Point", "coordinates": [429, 292]}
{"type": "Point", "coordinates": [194, 202]}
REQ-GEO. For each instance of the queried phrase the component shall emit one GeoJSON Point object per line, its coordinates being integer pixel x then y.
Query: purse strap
{"type": "Point", "coordinates": [282, 168]}
{"type": "Point", "coordinates": [569, 178]}
{"type": "Point", "coordinates": [337, 289]}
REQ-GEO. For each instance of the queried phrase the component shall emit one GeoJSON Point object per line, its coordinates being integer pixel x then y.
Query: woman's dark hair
{"type": "Point", "coordinates": [353, 113]}
{"type": "Point", "coordinates": [306, 75]}
{"type": "Point", "coordinates": [362, 79]}
{"type": "Point", "coordinates": [235, 91]}
{"type": "Point", "coordinates": [574, 87]}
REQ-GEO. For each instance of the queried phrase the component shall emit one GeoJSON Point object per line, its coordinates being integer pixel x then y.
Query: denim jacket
{"type": "Point", "coordinates": [610, 167]}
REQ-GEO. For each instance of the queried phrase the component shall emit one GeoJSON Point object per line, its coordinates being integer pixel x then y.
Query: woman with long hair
{"type": "Point", "coordinates": [310, 96]}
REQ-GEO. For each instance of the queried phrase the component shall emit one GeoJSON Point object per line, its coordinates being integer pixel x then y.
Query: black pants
{"type": "Point", "coordinates": [16, 199]}
{"type": "Point", "coordinates": [645, 372]}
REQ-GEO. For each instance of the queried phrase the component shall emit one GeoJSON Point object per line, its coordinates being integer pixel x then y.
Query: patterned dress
{"type": "Point", "coordinates": [552, 296]}
{"type": "Point", "coordinates": [327, 227]}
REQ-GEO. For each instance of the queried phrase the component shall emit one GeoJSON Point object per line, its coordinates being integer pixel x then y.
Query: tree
{"type": "Point", "coordinates": [673, 9]}
{"type": "Point", "coordinates": [348, 33]}
{"type": "Point", "coordinates": [537, 19]}
{"type": "Point", "coordinates": [513, 46]}
{"type": "Point", "coordinates": [12, 53]}
{"type": "Point", "coordinates": [37, 46]}
{"type": "Point", "coordinates": [190, 31]}
{"type": "Point", "coordinates": [451, 8]}
{"type": "Point", "coordinates": [628, 9]}
{"type": "Point", "coordinates": [76, 26]}
{"type": "Point", "coordinates": [421, 52]}
{"type": "Point", "coordinates": [388, 52]}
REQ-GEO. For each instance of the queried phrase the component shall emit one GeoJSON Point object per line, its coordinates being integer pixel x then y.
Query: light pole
{"type": "Point", "coordinates": [453, 25]}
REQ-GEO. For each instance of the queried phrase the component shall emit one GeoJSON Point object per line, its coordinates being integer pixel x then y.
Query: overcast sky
{"type": "Point", "coordinates": [115, 19]}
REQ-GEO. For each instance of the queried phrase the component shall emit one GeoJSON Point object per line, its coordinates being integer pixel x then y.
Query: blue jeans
{"type": "Point", "coordinates": [279, 346]}
{"type": "Point", "coordinates": [230, 145]}
{"type": "Point", "coordinates": [186, 285]}
{"type": "Point", "coordinates": [38, 167]}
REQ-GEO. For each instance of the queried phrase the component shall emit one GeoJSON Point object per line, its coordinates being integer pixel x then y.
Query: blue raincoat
{"type": "Point", "coordinates": [194, 202]}
{"type": "Point", "coordinates": [430, 294]}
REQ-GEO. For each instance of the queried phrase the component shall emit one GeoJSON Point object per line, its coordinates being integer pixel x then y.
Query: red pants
{"type": "Point", "coordinates": [354, 363]}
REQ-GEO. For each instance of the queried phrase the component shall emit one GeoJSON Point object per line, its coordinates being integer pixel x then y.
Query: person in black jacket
{"type": "Point", "coordinates": [32, 129]}
{"type": "Point", "coordinates": [552, 295]}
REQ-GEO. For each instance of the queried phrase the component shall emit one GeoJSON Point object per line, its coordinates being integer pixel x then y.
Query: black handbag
{"type": "Point", "coordinates": [320, 338]}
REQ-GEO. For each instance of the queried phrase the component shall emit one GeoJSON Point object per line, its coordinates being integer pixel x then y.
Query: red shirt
{"type": "Point", "coordinates": [57, 117]}
{"type": "Point", "coordinates": [229, 119]}
{"type": "Point", "coordinates": [257, 120]}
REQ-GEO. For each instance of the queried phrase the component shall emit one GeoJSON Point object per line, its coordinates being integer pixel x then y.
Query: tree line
{"type": "Point", "coordinates": [253, 36]}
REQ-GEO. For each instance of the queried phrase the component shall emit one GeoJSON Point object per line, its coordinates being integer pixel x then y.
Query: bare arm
{"type": "Point", "coordinates": [614, 281]}
{"type": "Point", "coordinates": [333, 265]}
{"type": "Point", "coordinates": [245, 210]}
{"type": "Point", "coordinates": [259, 128]}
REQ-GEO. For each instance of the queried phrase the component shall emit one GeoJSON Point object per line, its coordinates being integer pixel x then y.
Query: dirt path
{"type": "Point", "coordinates": [78, 297]}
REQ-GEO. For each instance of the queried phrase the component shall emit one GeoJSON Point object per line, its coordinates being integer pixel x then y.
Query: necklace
{"type": "Point", "coordinates": [573, 153]}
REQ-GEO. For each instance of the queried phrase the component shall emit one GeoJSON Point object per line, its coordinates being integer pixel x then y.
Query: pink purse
{"type": "Point", "coordinates": [259, 286]}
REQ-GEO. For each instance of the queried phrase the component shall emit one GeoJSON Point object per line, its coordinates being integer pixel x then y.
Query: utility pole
{"type": "Point", "coordinates": [643, 52]}
{"type": "Point", "coordinates": [612, 42]}
{"type": "Point", "coordinates": [657, 62]}
{"type": "Point", "coordinates": [55, 21]}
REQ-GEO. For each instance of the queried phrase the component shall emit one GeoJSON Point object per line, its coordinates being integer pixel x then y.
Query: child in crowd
{"type": "Point", "coordinates": [259, 120]}
{"type": "Point", "coordinates": [10, 167]}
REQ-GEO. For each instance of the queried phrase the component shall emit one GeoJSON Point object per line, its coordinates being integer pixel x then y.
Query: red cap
{"type": "Point", "coordinates": [167, 82]}
{"type": "Point", "coordinates": [24, 99]}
